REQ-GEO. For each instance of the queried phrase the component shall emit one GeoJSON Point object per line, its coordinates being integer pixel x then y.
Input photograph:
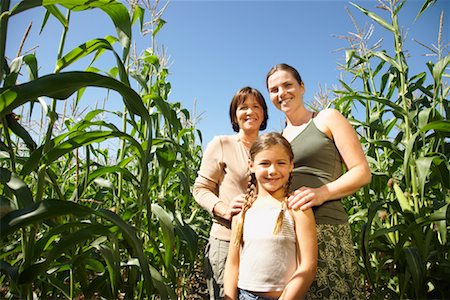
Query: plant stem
{"type": "Point", "coordinates": [4, 17]}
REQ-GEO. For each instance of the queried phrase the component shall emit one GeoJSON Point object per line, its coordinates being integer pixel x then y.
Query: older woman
{"type": "Point", "coordinates": [223, 177]}
{"type": "Point", "coordinates": [322, 143]}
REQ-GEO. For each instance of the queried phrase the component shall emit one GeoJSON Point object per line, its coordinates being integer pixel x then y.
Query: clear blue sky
{"type": "Point", "coordinates": [217, 47]}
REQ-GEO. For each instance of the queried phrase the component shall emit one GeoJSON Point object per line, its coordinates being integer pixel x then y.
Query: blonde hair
{"type": "Point", "coordinates": [263, 142]}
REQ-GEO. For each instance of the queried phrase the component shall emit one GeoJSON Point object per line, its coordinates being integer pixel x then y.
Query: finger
{"type": "Point", "coordinates": [306, 206]}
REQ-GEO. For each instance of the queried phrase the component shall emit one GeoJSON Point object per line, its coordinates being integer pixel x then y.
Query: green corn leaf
{"type": "Point", "coordinates": [439, 68]}
{"type": "Point", "coordinates": [84, 50]}
{"type": "Point", "coordinates": [18, 187]}
{"type": "Point", "coordinates": [76, 140]}
{"type": "Point", "coordinates": [426, 4]}
{"type": "Point", "coordinates": [414, 266]}
{"type": "Point", "coordinates": [138, 13]}
{"type": "Point", "coordinates": [374, 17]}
{"type": "Point", "coordinates": [20, 132]}
{"type": "Point", "coordinates": [386, 58]}
{"type": "Point", "coordinates": [112, 259]}
{"type": "Point", "coordinates": [402, 200]}
{"type": "Point", "coordinates": [62, 85]}
{"type": "Point", "coordinates": [443, 126]}
{"type": "Point", "coordinates": [167, 230]}
{"type": "Point", "coordinates": [59, 284]}
{"type": "Point", "coordinates": [46, 209]}
{"type": "Point", "coordinates": [159, 25]}
{"type": "Point", "coordinates": [87, 48]}
{"type": "Point", "coordinates": [444, 212]}
{"type": "Point", "coordinates": [68, 241]}
{"type": "Point", "coordinates": [423, 165]}
{"type": "Point", "coordinates": [52, 9]}
{"type": "Point", "coordinates": [25, 5]}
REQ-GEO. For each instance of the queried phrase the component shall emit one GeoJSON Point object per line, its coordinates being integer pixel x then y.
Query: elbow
{"type": "Point", "coordinates": [367, 176]}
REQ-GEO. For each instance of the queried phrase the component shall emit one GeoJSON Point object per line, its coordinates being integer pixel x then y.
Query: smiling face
{"type": "Point", "coordinates": [249, 114]}
{"type": "Point", "coordinates": [285, 91]}
{"type": "Point", "coordinates": [272, 167]}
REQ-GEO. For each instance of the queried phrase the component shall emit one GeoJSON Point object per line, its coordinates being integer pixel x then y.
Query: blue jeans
{"type": "Point", "coordinates": [246, 295]}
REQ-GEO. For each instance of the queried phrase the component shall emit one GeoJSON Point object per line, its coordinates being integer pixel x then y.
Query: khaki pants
{"type": "Point", "coordinates": [215, 257]}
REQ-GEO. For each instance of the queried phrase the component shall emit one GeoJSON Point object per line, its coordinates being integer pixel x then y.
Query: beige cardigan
{"type": "Point", "coordinates": [223, 175]}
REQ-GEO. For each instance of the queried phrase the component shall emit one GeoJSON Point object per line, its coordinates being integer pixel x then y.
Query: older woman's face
{"type": "Point", "coordinates": [285, 91]}
{"type": "Point", "coordinates": [250, 114]}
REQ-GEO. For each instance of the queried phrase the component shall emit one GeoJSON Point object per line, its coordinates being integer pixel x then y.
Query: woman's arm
{"type": "Point", "coordinates": [305, 230]}
{"type": "Point", "coordinates": [206, 186]}
{"type": "Point", "coordinates": [232, 265]}
{"type": "Point", "coordinates": [337, 128]}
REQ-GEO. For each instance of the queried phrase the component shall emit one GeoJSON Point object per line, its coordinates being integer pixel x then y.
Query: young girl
{"type": "Point", "coordinates": [273, 254]}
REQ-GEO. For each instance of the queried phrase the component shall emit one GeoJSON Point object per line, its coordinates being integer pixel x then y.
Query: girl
{"type": "Point", "coordinates": [274, 250]}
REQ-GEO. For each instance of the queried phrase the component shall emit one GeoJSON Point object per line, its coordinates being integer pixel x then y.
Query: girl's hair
{"type": "Point", "coordinates": [264, 142]}
{"type": "Point", "coordinates": [287, 68]}
{"type": "Point", "coordinates": [239, 98]}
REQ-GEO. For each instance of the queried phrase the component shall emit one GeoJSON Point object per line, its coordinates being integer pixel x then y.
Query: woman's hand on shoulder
{"type": "Point", "coordinates": [227, 211]}
{"type": "Point", "coordinates": [306, 197]}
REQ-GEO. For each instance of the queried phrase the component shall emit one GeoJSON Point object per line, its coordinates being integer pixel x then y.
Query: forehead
{"type": "Point", "coordinates": [249, 100]}
{"type": "Point", "coordinates": [277, 152]}
{"type": "Point", "coordinates": [279, 77]}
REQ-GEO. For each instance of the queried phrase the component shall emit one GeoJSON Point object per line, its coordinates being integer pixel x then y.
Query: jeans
{"type": "Point", "coordinates": [246, 295]}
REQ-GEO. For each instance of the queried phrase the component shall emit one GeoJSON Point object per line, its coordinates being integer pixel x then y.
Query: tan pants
{"type": "Point", "coordinates": [215, 257]}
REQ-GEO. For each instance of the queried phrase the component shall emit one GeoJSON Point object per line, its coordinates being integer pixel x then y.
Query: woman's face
{"type": "Point", "coordinates": [285, 91]}
{"type": "Point", "coordinates": [249, 114]}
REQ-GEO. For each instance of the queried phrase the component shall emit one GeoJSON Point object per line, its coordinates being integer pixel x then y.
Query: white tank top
{"type": "Point", "coordinates": [267, 261]}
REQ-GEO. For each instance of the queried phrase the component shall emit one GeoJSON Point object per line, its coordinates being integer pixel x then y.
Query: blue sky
{"type": "Point", "coordinates": [217, 47]}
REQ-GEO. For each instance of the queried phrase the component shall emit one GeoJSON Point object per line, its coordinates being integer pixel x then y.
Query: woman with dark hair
{"type": "Point", "coordinates": [221, 183]}
{"type": "Point", "coordinates": [323, 143]}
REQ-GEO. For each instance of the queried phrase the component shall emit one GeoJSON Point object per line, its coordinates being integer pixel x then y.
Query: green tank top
{"type": "Point", "coordinates": [317, 162]}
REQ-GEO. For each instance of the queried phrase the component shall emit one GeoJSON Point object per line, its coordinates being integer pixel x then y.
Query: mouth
{"type": "Point", "coordinates": [284, 101]}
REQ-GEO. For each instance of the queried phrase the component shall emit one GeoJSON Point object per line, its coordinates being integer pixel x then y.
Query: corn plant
{"type": "Point", "coordinates": [401, 219]}
{"type": "Point", "coordinates": [73, 222]}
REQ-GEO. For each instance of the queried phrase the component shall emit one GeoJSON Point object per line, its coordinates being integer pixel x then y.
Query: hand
{"type": "Point", "coordinates": [235, 206]}
{"type": "Point", "coordinates": [306, 197]}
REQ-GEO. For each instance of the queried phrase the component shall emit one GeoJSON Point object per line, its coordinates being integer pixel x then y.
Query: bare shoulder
{"type": "Point", "coordinates": [302, 215]}
{"type": "Point", "coordinates": [329, 115]}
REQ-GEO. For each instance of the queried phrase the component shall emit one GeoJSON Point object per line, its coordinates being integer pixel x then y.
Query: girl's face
{"type": "Point", "coordinates": [250, 114]}
{"type": "Point", "coordinates": [285, 91]}
{"type": "Point", "coordinates": [272, 168]}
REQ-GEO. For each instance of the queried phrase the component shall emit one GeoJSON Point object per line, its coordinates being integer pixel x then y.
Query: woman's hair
{"type": "Point", "coordinates": [239, 98]}
{"type": "Point", "coordinates": [284, 67]}
{"type": "Point", "coordinates": [263, 142]}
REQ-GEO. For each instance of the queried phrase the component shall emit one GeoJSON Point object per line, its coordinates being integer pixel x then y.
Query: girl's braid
{"type": "Point", "coordinates": [250, 197]}
{"type": "Point", "coordinates": [279, 223]}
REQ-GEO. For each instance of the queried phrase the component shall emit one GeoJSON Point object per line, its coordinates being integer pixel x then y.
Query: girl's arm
{"type": "Point", "coordinates": [232, 265]}
{"type": "Point", "coordinates": [305, 230]}
{"type": "Point", "coordinates": [337, 128]}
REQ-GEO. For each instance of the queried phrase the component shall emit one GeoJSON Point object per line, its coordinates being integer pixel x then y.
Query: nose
{"type": "Point", "coordinates": [281, 92]}
{"type": "Point", "coordinates": [272, 169]}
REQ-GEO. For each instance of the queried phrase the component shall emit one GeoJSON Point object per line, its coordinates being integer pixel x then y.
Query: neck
{"type": "Point", "coordinates": [247, 137]}
{"type": "Point", "coordinates": [279, 195]}
{"type": "Point", "coordinates": [300, 117]}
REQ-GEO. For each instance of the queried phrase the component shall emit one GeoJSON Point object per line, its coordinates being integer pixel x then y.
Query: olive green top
{"type": "Point", "coordinates": [317, 162]}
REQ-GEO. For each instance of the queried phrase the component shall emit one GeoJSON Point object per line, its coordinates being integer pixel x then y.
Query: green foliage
{"type": "Point", "coordinates": [402, 218]}
{"type": "Point", "coordinates": [74, 222]}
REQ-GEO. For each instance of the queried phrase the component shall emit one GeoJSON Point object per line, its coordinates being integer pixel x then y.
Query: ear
{"type": "Point", "coordinates": [292, 167]}
{"type": "Point", "coordinates": [250, 166]}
